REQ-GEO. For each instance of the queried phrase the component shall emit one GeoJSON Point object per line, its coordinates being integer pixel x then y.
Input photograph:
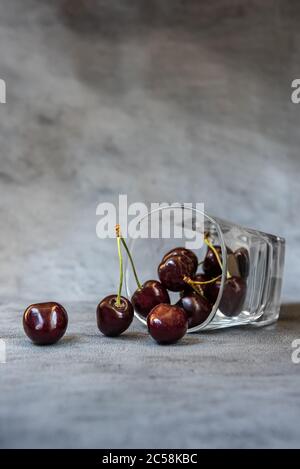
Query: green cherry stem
{"type": "Point", "coordinates": [118, 302]}
{"type": "Point", "coordinates": [131, 260]}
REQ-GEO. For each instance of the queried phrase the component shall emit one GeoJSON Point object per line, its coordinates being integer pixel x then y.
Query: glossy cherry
{"type": "Point", "coordinates": [243, 261]}
{"type": "Point", "coordinates": [211, 266]}
{"type": "Point", "coordinates": [173, 269]}
{"type": "Point", "coordinates": [167, 323]}
{"type": "Point", "coordinates": [238, 263]}
{"type": "Point", "coordinates": [114, 318]}
{"type": "Point", "coordinates": [180, 251]}
{"type": "Point", "coordinates": [197, 308]}
{"type": "Point", "coordinates": [150, 294]}
{"type": "Point", "coordinates": [233, 297]}
{"type": "Point", "coordinates": [212, 290]}
{"type": "Point", "coordinates": [45, 323]}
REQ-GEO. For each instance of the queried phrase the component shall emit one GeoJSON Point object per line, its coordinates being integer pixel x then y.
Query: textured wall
{"type": "Point", "coordinates": [169, 100]}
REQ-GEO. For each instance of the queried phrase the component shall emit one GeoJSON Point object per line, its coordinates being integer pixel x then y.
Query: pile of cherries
{"type": "Point", "coordinates": [46, 323]}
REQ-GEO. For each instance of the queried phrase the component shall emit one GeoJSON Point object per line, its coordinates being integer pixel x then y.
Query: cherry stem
{"type": "Point", "coordinates": [130, 258]}
{"type": "Point", "coordinates": [191, 282]}
{"type": "Point", "coordinates": [196, 288]}
{"type": "Point", "coordinates": [118, 302]}
{"type": "Point", "coordinates": [213, 249]}
{"type": "Point", "coordinates": [197, 285]}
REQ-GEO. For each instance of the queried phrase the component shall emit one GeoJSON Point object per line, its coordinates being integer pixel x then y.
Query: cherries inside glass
{"type": "Point", "coordinates": [194, 280]}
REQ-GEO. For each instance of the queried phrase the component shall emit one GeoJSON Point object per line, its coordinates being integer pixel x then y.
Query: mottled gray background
{"type": "Point", "coordinates": [165, 101]}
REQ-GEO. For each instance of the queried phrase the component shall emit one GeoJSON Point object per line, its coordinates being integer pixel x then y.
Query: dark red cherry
{"type": "Point", "coordinates": [211, 265]}
{"type": "Point", "coordinates": [45, 323]}
{"type": "Point", "coordinates": [243, 261]}
{"type": "Point", "coordinates": [173, 269]}
{"type": "Point", "coordinates": [197, 278]}
{"type": "Point", "coordinates": [197, 308]}
{"type": "Point", "coordinates": [167, 323]}
{"type": "Point", "coordinates": [233, 297]}
{"type": "Point", "coordinates": [212, 291]}
{"type": "Point", "coordinates": [112, 319]}
{"type": "Point", "coordinates": [183, 252]}
{"type": "Point", "coordinates": [238, 263]}
{"type": "Point", "coordinates": [151, 294]}
{"type": "Point", "coordinates": [234, 294]}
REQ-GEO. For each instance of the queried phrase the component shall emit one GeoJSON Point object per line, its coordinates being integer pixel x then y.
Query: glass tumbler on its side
{"type": "Point", "coordinates": [252, 259]}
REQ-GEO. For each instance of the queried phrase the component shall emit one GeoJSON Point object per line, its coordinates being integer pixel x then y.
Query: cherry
{"type": "Point", "coordinates": [197, 308]}
{"type": "Point", "coordinates": [115, 313]}
{"type": "Point", "coordinates": [173, 269]}
{"type": "Point", "coordinates": [167, 323]}
{"type": "Point", "coordinates": [234, 293]}
{"type": "Point", "coordinates": [45, 323]}
{"type": "Point", "coordinates": [183, 252]}
{"type": "Point", "coordinates": [238, 263]}
{"type": "Point", "coordinates": [243, 261]}
{"type": "Point", "coordinates": [114, 317]}
{"type": "Point", "coordinates": [233, 297]}
{"type": "Point", "coordinates": [212, 291]}
{"type": "Point", "coordinates": [211, 265]}
{"type": "Point", "coordinates": [150, 294]}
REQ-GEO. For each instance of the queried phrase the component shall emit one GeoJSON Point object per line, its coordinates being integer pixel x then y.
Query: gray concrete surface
{"type": "Point", "coordinates": [163, 101]}
{"type": "Point", "coordinates": [237, 388]}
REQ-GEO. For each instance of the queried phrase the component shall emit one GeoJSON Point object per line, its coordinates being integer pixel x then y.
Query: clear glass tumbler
{"type": "Point", "coordinates": [254, 258]}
